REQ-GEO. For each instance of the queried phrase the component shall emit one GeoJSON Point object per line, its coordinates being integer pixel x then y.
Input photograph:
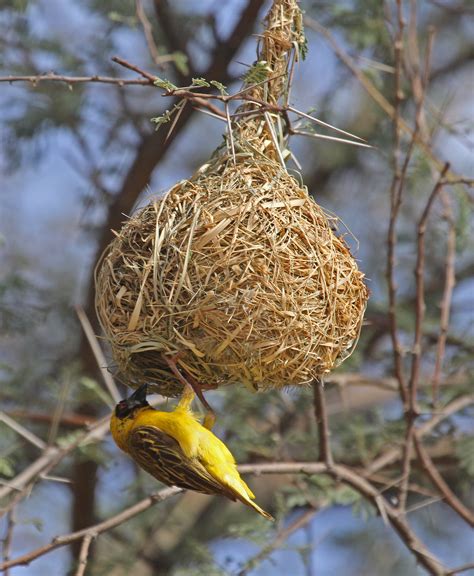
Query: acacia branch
{"type": "Point", "coordinates": [396, 190]}
{"type": "Point", "coordinates": [449, 282]}
{"type": "Point", "coordinates": [148, 33]}
{"type": "Point", "coordinates": [420, 288]}
{"type": "Point", "coordinates": [84, 553]}
{"type": "Point", "coordinates": [93, 531]}
{"type": "Point", "coordinates": [393, 454]}
{"type": "Point", "coordinates": [448, 495]}
{"type": "Point", "coordinates": [51, 77]}
{"type": "Point", "coordinates": [338, 472]}
{"type": "Point", "coordinates": [174, 38]}
{"type": "Point", "coordinates": [374, 92]}
{"type": "Point", "coordinates": [51, 456]}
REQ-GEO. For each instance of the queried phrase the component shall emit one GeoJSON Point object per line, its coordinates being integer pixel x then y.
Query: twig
{"type": "Point", "coordinates": [340, 473]}
{"type": "Point", "coordinates": [67, 419]}
{"type": "Point", "coordinates": [98, 354]}
{"type": "Point", "coordinates": [332, 138]}
{"type": "Point", "coordinates": [150, 77]}
{"type": "Point", "coordinates": [419, 82]}
{"type": "Point", "coordinates": [93, 531]}
{"type": "Point", "coordinates": [321, 123]}
{"type": "Point", "coordinates": [449, 282]}
{"type": "Point", "coordinates": [148, 32]}
{"type": "Point", "coordinates": [420, 288]}
{"type": "Point", "coordinates": [273, 136]}
{"type": "Point", "coordinates": [374, 93]}
{"type": "Point", "coordinates": [389, 384]}
{"type": "Point", "coordinates": [407, 455]}
{"type": "Point", "coordinates": [353, 479]}
{"type": "Point", "coordinates": [7, 542]}
{"type": "Point", "coordinates": [320, 413]}
{"type": "Point", "coordinates": [229, 133]}
{"type": "Point", "coordinates": [56, 418]}
{"type": "Point", "coordinates": [448, 495]}
{"type": "Point", "coordinates": [22, 431]}
{"type": "Point", "coordinates": [51, 456]}
{"type": "Point", "coordinates": [395, 203]}
{"type": "Point", "coordinates": [84, 553]}
{"type": "Point", "coordinates": [201, 100]}
{"type": "Point", "coordinates": [51, 77]}
{"type": "Point", "coordinates": [181, 107]}
{"type": "Point", "coordinates": [393, 454]}
{"type": "Point", "coordinates": [459, 569]}
{"type": "Point", "coordinates": [412, 409]}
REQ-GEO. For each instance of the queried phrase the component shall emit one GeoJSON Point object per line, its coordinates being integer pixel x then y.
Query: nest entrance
{"type": "Point", "coordinates": [239, 272]}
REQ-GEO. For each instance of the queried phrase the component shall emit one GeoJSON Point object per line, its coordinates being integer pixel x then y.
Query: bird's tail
{"type": "Point", "coordinates": [243, 493]}
{"type": "Point", "coordinates": [261, 511]}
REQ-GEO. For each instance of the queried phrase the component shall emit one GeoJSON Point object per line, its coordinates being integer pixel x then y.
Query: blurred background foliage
{"type": "Point", "coordinates": [76, 158]}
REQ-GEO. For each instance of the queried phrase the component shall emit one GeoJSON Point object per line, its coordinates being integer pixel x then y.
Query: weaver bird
{"type": "Point", "coordinates": [176, 449]}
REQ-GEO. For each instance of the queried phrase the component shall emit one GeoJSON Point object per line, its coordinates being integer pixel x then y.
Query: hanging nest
{"type": "Point", "coordinates": [237, 273]}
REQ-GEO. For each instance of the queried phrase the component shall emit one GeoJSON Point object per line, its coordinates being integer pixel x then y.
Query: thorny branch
{"type": "Point", "coordinates": [84, 553]}
{"type": "Point", "coordinates": [199, 99]}
{"type": "Point", "coordinates": [449, 281]}
{"type": "Point", "coordinates": [443, 488]}
{"type": "Point", "coordinates": [395, 203]}
{"type": "Point", "coordinates": [338, 472]}
{"type": "Point", "coordinates": [34, 80]}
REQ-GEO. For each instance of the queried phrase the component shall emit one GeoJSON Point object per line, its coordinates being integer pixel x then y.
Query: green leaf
{"type": "Point", "coordinates": [163, 119]}
{"type": "Point", "coordinates": [222, 89]}
{"type": "Point", "coordinates": [6, 468]}
{"type": "Point", "coordinates": [165, 84]}
{"type": "Point", "coordinates": [259, 72]}
{"type": "Point", "coordinates": [181, 62]}
{"type": "Point", "coordinates": [303, 48]}
{"type": "Point", "coordinates": [200, 83]}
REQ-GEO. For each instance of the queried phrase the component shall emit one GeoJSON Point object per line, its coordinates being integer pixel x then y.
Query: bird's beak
{"type": "Point", "coordinates": [138, 398]}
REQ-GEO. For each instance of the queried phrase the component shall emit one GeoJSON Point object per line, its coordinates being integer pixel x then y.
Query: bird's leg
{"type": "Point", "coordinates": [187, 398]}
{"type": "Point", "coordinates": [191, 385]}
{"type": "Point", "coordinates": [210, 417]}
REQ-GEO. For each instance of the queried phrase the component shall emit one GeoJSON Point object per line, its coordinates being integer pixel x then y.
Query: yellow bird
{"type": "Point", "coordinates": [176, 449]}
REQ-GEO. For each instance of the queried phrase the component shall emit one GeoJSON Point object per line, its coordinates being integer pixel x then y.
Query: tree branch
{"type": "Point", "coordinates": [448, 495]}
{"type": "Point", "coordinates": [338, 472]}
{"type": "Point", "coordinates": [71, 80]}
{"type": "Point", "coordinates": [320, 413]}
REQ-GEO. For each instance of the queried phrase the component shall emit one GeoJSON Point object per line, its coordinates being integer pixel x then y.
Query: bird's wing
{"type": "Point", "coordinates": [161, 456]}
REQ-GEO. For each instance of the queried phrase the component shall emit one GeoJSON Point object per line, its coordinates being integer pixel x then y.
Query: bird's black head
{"type": "Point", "coordinates": [137, 400]}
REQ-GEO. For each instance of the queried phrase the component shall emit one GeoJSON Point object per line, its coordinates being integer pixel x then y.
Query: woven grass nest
{"type": "Point", "coordinates": [239, 273]}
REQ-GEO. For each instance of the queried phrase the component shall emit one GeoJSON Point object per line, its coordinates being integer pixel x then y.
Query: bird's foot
{"type": "Point", "coordinates": [191, 387]}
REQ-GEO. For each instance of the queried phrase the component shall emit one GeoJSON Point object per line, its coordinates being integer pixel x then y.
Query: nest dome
{"type": "Point", "coordinates": [237, 272]}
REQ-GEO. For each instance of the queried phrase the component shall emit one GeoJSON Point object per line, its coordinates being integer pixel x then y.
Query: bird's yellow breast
{"type": "Point", "coordinates": [180, 425]}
